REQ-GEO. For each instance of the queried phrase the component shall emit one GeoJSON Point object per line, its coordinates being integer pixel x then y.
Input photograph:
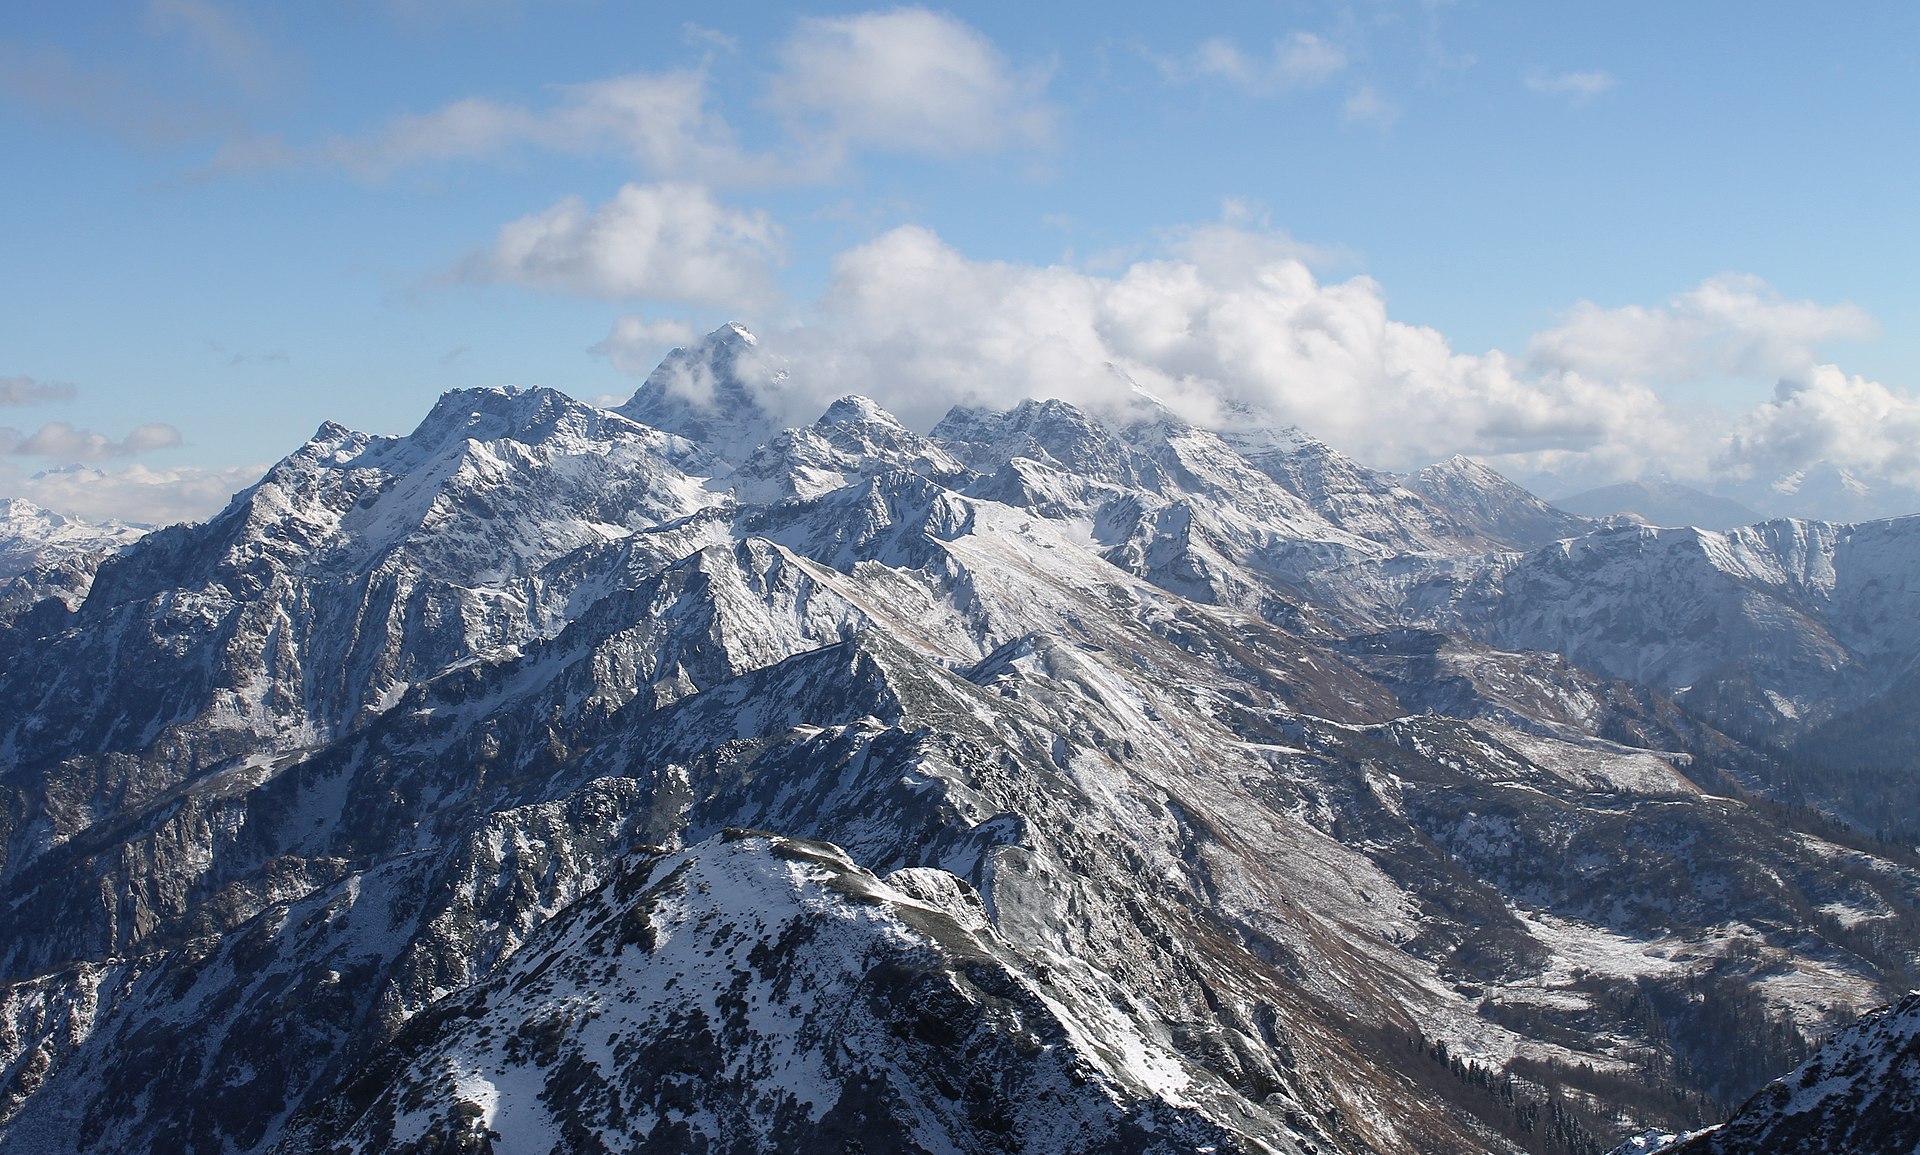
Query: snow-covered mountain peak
{"type": "Point", "coordinates": [33, 538]}
{"type": "Point", "coordinates": [712, 392]}
{"type": "Point", "coordinates": [1251, 439]}
{"type": "Point", "coordinates": [857, 410]}
{"type": "Point", "coordinates": [1120, 772]}
{"type": "Point", "coordinates": [854, 439]}
{"type": "Point", "coordinates": [1052, 432]}
{"type": "Point", "coordinates": [1492, 505]}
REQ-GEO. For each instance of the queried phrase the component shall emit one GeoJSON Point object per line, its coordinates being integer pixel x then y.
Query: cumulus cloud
{"type": "Point", "coordinates": [64, 442]}
{"type": "Point", "coordinates": [1226, 321]}
{"type": "Point", "coordinates": [1730, 325]}
{"type": "Point", "coordinates": [1826, 416]}
{"type": "Point", "coordinates": [136, 493]}
{"type": "Point", "coordinates": [28, 391]}
{"type": "Point", "coordinates": [907, 80]}
{"type": "Point", "coordinates": [1577, 87]}
{"type": "Point", "coordinates": [663, 121]}
{"type": "Point", "coordinates": [651, 241]}
{"type": "Point", "coordinates": [1299, 60]}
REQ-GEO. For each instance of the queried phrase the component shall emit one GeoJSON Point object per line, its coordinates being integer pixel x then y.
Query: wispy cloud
{"type": "Point", "coordinates": [1298, 60]}
{"type": "Point", "coordinates": [29, 391]}
{"type": "Point", "coordinates": [1364, 105]}
{"type": "Point", "coordinates": [63, 442]}
{"type": "Point", "coordinates": [1576, 87]}
{"type": "Point", "coordinates": [905, 80]}
{"type": "Point", "coordinates": [637, 343]}
{"type": "Point", "coordinates": [661, 121]}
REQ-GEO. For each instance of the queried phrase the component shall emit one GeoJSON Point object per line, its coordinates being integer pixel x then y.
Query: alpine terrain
{"type": "Point", "coordinates": [659, 779]}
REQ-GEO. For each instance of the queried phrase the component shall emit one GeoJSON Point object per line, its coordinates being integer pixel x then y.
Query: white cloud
{"type": "Point", "coordinates": [1228, 322]}
{"type": "Point", "coordinates": [1299, 60]}
{"type": "Point", "coordinates": [661, 120]}
{"type": "Point", "coordinates": [636, 344]}
{"type": "Point", "coordinates": [27, 391]}
{"type": "Point", "coordinates": [1826, 416]}
{"type": "Point", "coordinates": [656, 241]}
{"type": "Point", "coordinates": [1729, 325]}
{"type": "Point", "coordinates": [1577, 87]}
{"type": "Point", "coordinates": [907, 80]}
{"type": "Point", "coordinates": [60, 441]}
{"type": "Point", "coordinates": [1366, 106]}
{"type": "Point", "coordinates": [137, 493]}
{"type": "Point", "coordinates": [1226, 317]}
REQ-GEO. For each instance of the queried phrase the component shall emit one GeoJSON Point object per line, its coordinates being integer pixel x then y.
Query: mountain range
{"type": "Point", "coordinates": [661, 779]}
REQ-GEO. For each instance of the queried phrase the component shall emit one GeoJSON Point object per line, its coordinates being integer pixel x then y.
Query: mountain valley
{"type": "Point", "coordinates": [660, 779]}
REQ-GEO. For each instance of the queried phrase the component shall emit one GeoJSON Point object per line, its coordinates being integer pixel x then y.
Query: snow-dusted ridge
{"type": "Point", "coordinates": [1118, 783]}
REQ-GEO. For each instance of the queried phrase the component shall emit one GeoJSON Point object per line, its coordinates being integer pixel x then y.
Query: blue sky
{"type": "Point", "coordinates": [1582, 242]}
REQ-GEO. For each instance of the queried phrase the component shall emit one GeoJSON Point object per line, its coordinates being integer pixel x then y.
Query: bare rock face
{"type": "Point", "coordinates": [653, 779]}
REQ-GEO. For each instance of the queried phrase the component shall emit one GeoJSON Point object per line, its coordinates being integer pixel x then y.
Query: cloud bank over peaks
{"type": "Point", "coordinates": [1226, 318]}
{"type": "Point", "coordinates": [1229, 320]}
{"type": "Point", "coordinates": [1827, 416]}
{"type": "Point", "coordinates": [137, 493]}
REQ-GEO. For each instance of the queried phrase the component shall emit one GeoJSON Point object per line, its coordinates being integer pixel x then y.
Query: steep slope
{"type": "Point", "coordinates": [1859, 1092]}
{"type": "Point", "coordinates": [1240, 870]}
{"type": "Point", "coordinates": [703, 393]}
{"type": "Point", "coordinates": [354, 567]}
{"type": "Point", "coordinates": [759, 971]}
{"type": "Point", "coordinates": [1493, 506]}
{"type": "Point", "coordinates": [1375, 505]}
{"type": "Point", "coordinates": [1765, 629]}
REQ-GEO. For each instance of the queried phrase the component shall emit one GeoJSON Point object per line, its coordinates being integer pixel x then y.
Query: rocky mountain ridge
{"type": "Point", "coordinates": [1217, 796]}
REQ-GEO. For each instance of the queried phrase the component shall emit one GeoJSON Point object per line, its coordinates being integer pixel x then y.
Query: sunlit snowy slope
{"type": "Point", "coordinates": [657, 779]}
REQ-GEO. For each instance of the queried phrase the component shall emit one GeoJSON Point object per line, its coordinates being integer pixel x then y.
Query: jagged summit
{"type": "Point", "coordinates": [710, 393]}
{"type": "Point", "coordinates": [1123, 783]}
{"type": "Point", "coordinates": [1052, 432]}
{"type": "Point", "coordinates": [1494, 506]}
{"type": "Point", "coordinates": [855, 438]}
{"type": "Point", "coordinates": [857, 410]}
